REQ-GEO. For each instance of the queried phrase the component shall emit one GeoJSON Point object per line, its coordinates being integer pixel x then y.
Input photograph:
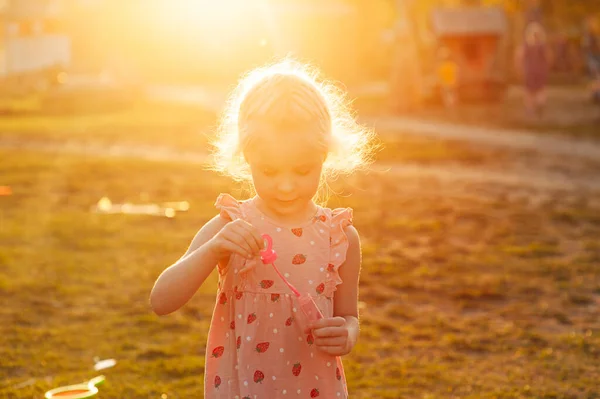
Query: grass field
{"type": "Point", "coordinates": [466, 291]}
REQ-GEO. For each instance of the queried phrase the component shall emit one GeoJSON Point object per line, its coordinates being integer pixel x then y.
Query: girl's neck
{"type": "Point", "coordinates": [300, 218]}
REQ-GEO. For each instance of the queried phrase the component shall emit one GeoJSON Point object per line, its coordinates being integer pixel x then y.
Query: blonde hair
{"type": "Point", "coordinates": [285, 95]}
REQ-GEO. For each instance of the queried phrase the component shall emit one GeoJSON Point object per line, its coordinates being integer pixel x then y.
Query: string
{"type": "Point", "coordinates": [294, 290]}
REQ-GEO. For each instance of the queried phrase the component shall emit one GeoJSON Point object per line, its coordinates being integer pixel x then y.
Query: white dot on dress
{"type": "Point", "coordinates": [328, 364]}
{"type": "Point", "coordinates": [310, 282]}
{"type": "Point", "coordinates": [312, 243]}
{"type": "Point", "coordinates": [317, 377]}
{"type": "Point", "coordinates": [287, 275]}
{"type": "Point", "coordinates": [237, 397]}
{"type": "Point", "coordinates": [248, 338]}
{"type": "Point", "coordinates": [312, 354]}
{"type": "Point", "coordinates": [294, 310]}
{"type": "Point", "coordinates": [245, 383]}
{"type": "Point", "coordinates": [235, 271]}
{"type": "Point", "coordinates": [271, 315]}
{"type": "Point", "coordinates": [284, 392]}
{"type": "Point", "coordinates": [236, 367]}
{"type": "Point", "coordinates": [322, 269]}
{"type": "Point", "coordinates": [274, 378]}
{"type": "Point", "coordinates": [338, 394]}
{"type": "Point", "coordinates": [281, 350]}
{"type": "Point", "coordinates": [239, 316]}
{"type": "Point", "coordinates": [299, 391]}
{"type": "Point", "coordinates": [222, 319]}
{"type": "Point", "coordinates": [299, 338]}
{"type": "Point", "coordinates": [279, 229]}
{"type": "Point", "coordinates": [337, 255]}
{"type": "Point", "coordinates": [227, 335]}
{"type": "Point", "coordinates": [321, 231]}
{"type": "Point", "coordinates": [274, 331]}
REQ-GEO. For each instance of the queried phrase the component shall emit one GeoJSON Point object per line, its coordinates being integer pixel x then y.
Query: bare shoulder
{"type": "Point", "coordinates": [206, 232]}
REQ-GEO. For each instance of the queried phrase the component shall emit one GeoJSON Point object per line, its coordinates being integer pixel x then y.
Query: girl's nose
{"type": "Point", "coordinates": [286, 185]}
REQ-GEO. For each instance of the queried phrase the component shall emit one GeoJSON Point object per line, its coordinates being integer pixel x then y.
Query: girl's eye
{"type": "Point", "coordinates": [303, 171]}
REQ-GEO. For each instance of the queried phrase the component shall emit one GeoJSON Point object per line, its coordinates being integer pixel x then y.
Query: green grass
{"type": "Point", "coordinates": [150, 123]}
{"type": "Point", "coordinates": [470, 297]}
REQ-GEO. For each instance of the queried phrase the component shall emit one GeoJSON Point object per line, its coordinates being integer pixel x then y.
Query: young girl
{"type": "Point", "coordinates": [284, 131]}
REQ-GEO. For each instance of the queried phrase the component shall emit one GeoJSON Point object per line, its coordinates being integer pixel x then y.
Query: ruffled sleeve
{"type": "Point", "coordinates": [340, 219]}
{"type": "Point", "coordinates": [229, 207]}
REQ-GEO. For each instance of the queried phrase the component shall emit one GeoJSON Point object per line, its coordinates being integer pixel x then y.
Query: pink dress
{"type": "Point", "coordinates": [256, 346]}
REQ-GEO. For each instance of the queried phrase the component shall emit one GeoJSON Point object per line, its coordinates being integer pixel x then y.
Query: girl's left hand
{"type": "Point", "coordinates": [331, 336]}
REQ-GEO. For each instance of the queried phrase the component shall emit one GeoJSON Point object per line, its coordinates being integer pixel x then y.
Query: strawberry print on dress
{"type": "Point", "coordinates": [256, 346]}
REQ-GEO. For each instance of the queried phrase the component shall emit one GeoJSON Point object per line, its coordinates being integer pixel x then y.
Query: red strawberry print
{"type": "Point", "coordinates": [296, 369]}
{"type": "Point", "coordinates": [217, 381]}
{"type": "Point", "coordinates": [274, 297]}
{"type": "Point", "coordinates": [320, 288]}
{"type": "Point", "coordinates": [299, 259]}
{"type": "Point", "coordinates": [314, 393]}
{"type": "Point", "coordinates": [297, 232]}
{"type": "Point", "coordinates": [232, 325]}
{"type": "Point", "coordinates": [251, 318]}
{"type": "Point", "coordinates": [266, 284]}
{"type": "Point", "coordinates": [239, 342]}
{"type": "Point", "coordinates": [262, 347]}
{"type": "Point", "coordinates": [218, 351]}
{"type": "Point", "coordinates": [258, 376]}
{"type": "Point", "coordinates": [238, 294]}
{"type": "Point", "coordinates": [322, 218]}
{"type": "Point", "coordinates": [330, 268]}
{"type": "Point", "coordinates": [223, 299]}
{"type": "Point", "coordinates": [338, 375]}
{"type": "Point", "coordinates": [289, 321]}
{"type": "Point", "coordinates": [310, 339]}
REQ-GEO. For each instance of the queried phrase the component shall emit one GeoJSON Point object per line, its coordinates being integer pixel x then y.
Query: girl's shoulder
{"type": "Point", "coordinates": [231, 208]}
{"type": "Point", "coordinates": [338, 216]}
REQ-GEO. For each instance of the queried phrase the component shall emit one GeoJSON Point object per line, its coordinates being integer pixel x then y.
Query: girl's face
{"type": "Point", "coordinates": [286, 171]}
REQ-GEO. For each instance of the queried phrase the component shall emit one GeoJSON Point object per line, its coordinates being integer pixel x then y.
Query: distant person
{"type": "Point", "coordinates": [533, 60]}
{"type": "Point", "coordinates": [447, 73]}
{"type": "Point", "coordinates": [283, 132]}
{"type": "Point", "coordinates": [591, 53]}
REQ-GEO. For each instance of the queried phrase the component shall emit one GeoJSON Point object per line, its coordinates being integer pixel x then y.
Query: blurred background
{"type": "Point", "coordinates": [479, 219]}
{"type": "Point", "coordinates": [48, 44]}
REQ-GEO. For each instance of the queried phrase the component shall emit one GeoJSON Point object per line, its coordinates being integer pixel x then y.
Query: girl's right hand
{"type": "Point", "coordinates": [237, 237]}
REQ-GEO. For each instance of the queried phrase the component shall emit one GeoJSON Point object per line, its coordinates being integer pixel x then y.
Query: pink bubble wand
{"type": "Point", "coordinates": [307, 303]}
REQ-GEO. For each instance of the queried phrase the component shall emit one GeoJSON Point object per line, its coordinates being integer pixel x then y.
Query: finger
{"type": "Point", "coordinates": [234, 248]}
{"type": "Point", "coordinates": [328, 322]}
{"type": "Point", "coordinates": [336, 341]}
{"type": "Point", "coordinates": [330, 332]}
{"type": "Point", "coordinates": [256, 237]}
{"type": "Point", "coordinates": [246, 235]}
{"type": "Point", "coordinates": [233, 236]}
{"type": "Point", "coordinates": [332, 350]}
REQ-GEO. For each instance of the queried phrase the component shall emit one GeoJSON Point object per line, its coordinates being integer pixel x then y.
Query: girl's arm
{"type": "Point", "coordinates": [179, 282]}
{"type": "Point", "coordinates": [338, 335]}
{"type": "Point", "coordinates": [345, 301]}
